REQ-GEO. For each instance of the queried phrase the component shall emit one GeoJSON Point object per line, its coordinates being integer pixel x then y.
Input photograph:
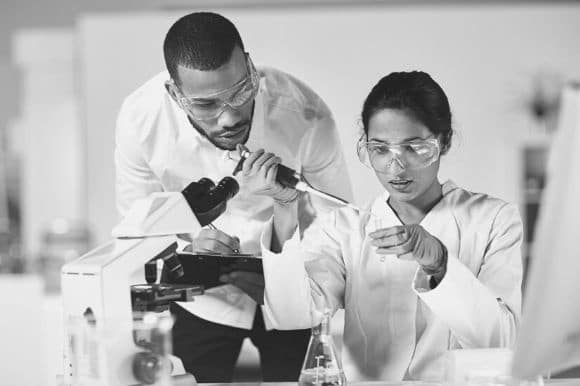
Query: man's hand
{"type": "Point", "coordinates": [249, 282]}
{"type": "Point", "coordinates": [412, 242]}
{"type": "Point", "coordinates": [258, 175]}
{"type": "Point", "coordinates": [214, 240]}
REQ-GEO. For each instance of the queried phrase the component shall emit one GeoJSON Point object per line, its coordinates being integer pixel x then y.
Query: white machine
{"type": "Point", "coordinates": [97, 288]}
{"type": "Point", "coordinates": [549, 339]}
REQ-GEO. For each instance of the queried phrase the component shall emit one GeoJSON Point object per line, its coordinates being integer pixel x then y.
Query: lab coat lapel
{"type": "Point", "coordinates": [246, 200]}
{"type": "Point", "coordinates": [441, 223]}
{"type": "Point", "coordinates": [256, 138]}
{"type": "Point", "coordinates": [396, 275]}
{"type": "Point", "coordinates": [386, 287]}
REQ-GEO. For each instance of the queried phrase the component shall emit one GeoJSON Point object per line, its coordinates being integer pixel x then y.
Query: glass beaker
{"type": "Point", "coordinates": [322, 365]}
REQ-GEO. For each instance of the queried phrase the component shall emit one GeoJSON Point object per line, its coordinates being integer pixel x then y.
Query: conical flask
{"type": "Point", "coordinates": [322, 366]}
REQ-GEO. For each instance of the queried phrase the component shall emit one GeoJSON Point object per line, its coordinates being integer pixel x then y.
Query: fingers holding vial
{"type": "Point", "coordinates": [410, 242]}
{"type": "Point", "coordinates": [394, 240]}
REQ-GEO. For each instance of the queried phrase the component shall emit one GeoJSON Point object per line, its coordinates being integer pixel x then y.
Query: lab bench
{"type": "Point", "coordinates": [554, 382]}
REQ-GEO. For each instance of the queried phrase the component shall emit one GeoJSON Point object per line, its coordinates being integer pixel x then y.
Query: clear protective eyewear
{"type": "Point", "coordinates": [413, 155]}
{"type": "Point", "coordinates": [211, 106]}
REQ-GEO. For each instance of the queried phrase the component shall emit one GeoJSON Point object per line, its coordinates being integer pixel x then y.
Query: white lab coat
{"type": "Point", "coordinates": [396, 327]}
{"type": "Point", "coordinates": [157, 150]}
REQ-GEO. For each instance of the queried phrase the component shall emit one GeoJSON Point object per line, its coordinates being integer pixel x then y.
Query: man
{"type": "Point", "coordinates": [179, 127]}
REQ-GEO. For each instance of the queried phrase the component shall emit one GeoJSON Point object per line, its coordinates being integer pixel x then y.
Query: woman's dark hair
{"type": "Point", "coordinates": [418, 95]}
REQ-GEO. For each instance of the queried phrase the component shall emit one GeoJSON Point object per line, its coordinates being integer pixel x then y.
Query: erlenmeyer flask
{"type": "Point", "coordinates": [322, 366]}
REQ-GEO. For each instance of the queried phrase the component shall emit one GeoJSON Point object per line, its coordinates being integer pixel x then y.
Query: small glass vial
{"type": "Point", "coordinates": [322, 365]}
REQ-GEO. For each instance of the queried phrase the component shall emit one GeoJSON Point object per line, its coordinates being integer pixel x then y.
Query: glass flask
{"type": "Point", "coordinates": [322, 366]}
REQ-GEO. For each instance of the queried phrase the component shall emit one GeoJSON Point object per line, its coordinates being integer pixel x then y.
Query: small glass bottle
{"type": "Point", "coordinates": [322, 365]}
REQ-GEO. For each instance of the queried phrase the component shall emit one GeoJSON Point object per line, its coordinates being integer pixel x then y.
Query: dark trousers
{"type": "Point", "coordinates": [209, 350]}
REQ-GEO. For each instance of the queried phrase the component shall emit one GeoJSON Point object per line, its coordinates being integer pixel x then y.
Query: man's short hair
{"type": "Point", "coordinates": [202, 41]}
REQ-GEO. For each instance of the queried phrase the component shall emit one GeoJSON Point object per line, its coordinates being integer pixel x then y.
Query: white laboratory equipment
{"type": "Point", "coordinates": [102, 288]}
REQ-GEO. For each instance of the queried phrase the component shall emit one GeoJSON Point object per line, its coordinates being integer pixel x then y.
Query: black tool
{"type": "Point", "coordinates": [209, 201]}
{"type": "Point", "coordinates": [206, 268]}
{"type": "Point", "coordinates": [285, 176]}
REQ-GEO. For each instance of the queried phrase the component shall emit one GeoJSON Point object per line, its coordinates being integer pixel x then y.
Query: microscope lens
{"type": "Point", "coordinates": [227, 188]}
{"type": "Point", "coordinates": [206, 183]}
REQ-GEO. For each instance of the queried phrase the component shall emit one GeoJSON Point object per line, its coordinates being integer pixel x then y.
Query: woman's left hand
{"type": "Point", "coordinates": [412, 242]}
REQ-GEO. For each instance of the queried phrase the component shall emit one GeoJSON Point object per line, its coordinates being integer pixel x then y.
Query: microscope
{"type": "Point", "coordinates": [102, 289]}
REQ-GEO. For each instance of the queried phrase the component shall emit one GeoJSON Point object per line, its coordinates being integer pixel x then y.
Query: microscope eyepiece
{"type": "Point", "coordinates": [229, 186]}
{"type": "Point", "coordinates": [208, 202]}
{"type": "Point", "coordinates": [206, 184]}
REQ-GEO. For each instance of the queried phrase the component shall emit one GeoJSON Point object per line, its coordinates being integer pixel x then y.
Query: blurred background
{"type": "Point", "coordinates": [66, 65]}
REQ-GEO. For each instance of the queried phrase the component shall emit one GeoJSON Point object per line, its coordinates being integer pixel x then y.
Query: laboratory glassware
{"type": "Point", "coordinates": [322, 366]}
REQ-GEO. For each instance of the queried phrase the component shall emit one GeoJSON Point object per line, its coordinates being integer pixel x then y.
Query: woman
{"type": "Point", "coordinates": [427, 267]}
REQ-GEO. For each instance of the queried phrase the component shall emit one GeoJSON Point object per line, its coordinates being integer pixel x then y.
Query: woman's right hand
{"type": "Point", "coordinates": [412, 242]}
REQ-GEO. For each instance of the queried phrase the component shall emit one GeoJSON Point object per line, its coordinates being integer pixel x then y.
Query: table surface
{"type": "Point", "coordinates": [556, 382]}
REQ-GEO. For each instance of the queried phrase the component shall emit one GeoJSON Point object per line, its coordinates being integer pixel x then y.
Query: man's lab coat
{"type": "Point", "coordinates": [157, 149]}
{"type": "Point", "coordinates": [396, 326]}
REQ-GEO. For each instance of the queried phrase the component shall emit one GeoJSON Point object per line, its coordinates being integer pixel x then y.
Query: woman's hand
{"type": "Point", "coordinates": [412, 242]}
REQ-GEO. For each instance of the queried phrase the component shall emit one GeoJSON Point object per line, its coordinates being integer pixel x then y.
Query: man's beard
{"type": "Point", "coordinates": [213, 142]}
{"type": "Point", "coordinates": [219, 146]}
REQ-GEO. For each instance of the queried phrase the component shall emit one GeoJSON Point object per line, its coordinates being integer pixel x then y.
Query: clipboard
{"type": "Point", "coordinates": [206, 268]}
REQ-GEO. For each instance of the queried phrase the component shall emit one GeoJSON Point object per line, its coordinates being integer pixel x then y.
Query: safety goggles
{"type": "Point", "coordinates": [413, 155]}
{"type": "Point", "coordinates": [211, 106]}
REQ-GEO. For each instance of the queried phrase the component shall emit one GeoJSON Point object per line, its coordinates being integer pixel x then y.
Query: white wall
{"type": "Point", "coordinates": [48, 132]}
{"type": "Point", "coordinates": [483, 56]}
{"type": "Point", "coordinates": [22, 333]}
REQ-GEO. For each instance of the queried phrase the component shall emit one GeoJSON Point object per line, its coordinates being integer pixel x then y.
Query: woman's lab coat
{"type": "Point", "coordinates": [396, 326]}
